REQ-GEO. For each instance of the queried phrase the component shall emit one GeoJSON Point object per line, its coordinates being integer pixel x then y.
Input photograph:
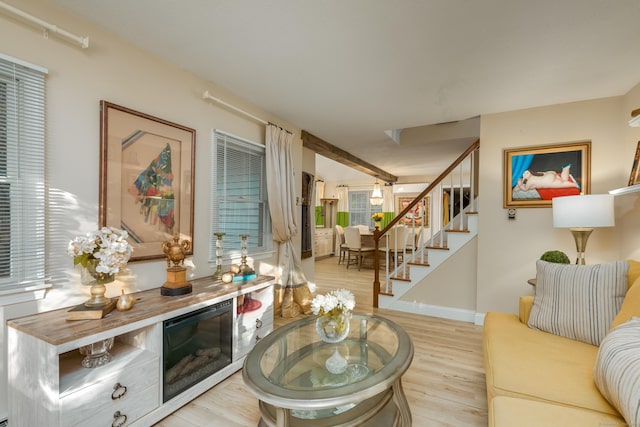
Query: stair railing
{"type": "Point", "coordinates": [417, 208]}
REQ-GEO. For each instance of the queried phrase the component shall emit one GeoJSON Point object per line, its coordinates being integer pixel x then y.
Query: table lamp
{"type": "Point", "coordinates": [581, 214]}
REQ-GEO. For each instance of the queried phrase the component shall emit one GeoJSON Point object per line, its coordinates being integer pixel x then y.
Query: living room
{"type": "Point", "coordinates": [115, 70]}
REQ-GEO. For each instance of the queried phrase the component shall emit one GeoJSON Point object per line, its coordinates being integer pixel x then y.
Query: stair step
{"type": "Point", "coordinates": [472, 213]}
{"type": "Point", "coordinates": [400, 278]}
{"type": "Point", "coordinates": [466, 230]}
{"type": "Point", "coordinates": [389, 294]}
{"type": "Point", "coordinates": [443, 248]}
{"type": "Point", "coordinates": [422, 264]}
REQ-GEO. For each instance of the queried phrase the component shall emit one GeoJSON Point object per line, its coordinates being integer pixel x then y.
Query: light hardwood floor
{"type": "Point", "coordinates": [445, 384]}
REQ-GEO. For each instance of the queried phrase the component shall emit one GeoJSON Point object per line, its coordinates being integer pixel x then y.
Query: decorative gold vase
{"type": "Point", "coordinates": [97, 282]}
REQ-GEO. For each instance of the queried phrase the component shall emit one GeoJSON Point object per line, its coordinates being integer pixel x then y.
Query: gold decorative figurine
{"type": "Point", "coordinates": [176, 283]}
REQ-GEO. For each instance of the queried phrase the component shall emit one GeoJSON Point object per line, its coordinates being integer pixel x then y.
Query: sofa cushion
{"type": "Point", "coordinates": [617, 370]}
{"type": "Point", "coordinates": [526, 363]}
{"type": "Point", "coordinates": [578, 301]}
{"type": "Point", "coordinates": [630, 305]}
{"type": "Point", "coordinates": [509, 411]}
{"type": "Point", "coordinates": [634, 271]}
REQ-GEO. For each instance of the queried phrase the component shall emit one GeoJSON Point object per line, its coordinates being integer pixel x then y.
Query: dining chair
{"type": "Point", "coordinates": [342, 243]}
{"type": "Point", "coordinates": [396, 244]}
{"type": "Point", "coordinates": [355, 251]}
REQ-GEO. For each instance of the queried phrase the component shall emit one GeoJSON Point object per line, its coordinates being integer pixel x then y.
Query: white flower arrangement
{"type": "Point", "coordinates": [108, 245]}
{"type": "Point", "coordinates": [334, 302]}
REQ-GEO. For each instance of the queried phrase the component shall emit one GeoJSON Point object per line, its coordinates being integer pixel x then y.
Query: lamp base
{"type": "Point", "coordinates": [581, 235]}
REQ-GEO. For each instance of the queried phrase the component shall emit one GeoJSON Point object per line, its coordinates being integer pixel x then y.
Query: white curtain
{"type": "Point", "coordinates": [319, 192]}
{"type": "Point", "coordinates": [343, 199]}
{"type": "Point", "coordinates": [387, 200]}
{"type": "Point", "coordinates": [292, 295]}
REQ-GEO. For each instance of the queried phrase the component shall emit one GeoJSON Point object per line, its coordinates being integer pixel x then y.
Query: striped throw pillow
{"type": "Point", "coordinates": [617, 370]}
{"type": "Point", "coordinates": [578, 301]}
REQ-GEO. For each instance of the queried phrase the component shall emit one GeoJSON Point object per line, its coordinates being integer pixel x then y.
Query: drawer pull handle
{"type": "Point", "coordinates": [118, 419]}
{"type": "Point", "coordinates": [118, 391]}
{"type": "Point", "coordinates": [258, 323]}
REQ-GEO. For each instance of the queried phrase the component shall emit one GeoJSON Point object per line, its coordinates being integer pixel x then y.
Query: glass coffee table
{"type": "Point", "coordinates": [302, 381]}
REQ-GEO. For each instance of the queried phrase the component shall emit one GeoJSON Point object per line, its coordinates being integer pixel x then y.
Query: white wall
{"type": "Point", "coordinates": [120, 73]}
{"type": "Point", "coordinates": [507, 250]}
{"type": "Point", "coordinates": [452, 284]}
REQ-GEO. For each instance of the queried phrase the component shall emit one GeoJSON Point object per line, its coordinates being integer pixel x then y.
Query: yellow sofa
{"type": "Point", "coordinates": [535, 378]}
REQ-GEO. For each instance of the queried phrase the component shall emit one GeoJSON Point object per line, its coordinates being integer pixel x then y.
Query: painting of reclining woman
{"type": "Point", "coordinates": [535, 176]}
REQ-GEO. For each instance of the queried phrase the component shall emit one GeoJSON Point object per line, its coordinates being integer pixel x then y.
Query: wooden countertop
{"type": "Point", "coordinates": [54, 328]}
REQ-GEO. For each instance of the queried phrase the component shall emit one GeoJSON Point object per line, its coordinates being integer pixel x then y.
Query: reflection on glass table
{"type": "Point", "coordinates": [298, 378]}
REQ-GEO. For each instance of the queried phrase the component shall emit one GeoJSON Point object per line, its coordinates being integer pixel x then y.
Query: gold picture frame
{"type": "Point", "coordinates": [634, 178]}
{"type": "Point", "coordinates": [535, 175]}
{"type": "Point", "coordinates": [415, 213]}
{"type": "Point", "coordinates": [146, 178]}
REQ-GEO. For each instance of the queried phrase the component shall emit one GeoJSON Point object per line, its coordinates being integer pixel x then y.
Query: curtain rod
{"type": "Point", "coordinates": [207, 95]}
{"type": "Point", "coordinates": [81, 40]}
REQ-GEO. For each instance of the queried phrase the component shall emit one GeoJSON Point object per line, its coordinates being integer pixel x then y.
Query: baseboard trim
{"type": "Point", "coordinates": [479, 320]}
{"type": "Point", "coordinates": [431, 310]}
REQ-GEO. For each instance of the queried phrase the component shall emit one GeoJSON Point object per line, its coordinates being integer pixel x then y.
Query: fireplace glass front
{"type": "Point", "coordinates": [196, 345]}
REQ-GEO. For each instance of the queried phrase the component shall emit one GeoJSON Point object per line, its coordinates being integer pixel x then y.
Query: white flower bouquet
{"type": "Point", "coordinates": [334, 302]}
{"type": "Point", "coordinates": [108, 246]}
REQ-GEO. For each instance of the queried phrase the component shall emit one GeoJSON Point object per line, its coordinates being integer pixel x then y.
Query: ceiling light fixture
{"type": "Point", "coordinates": [376, 195]}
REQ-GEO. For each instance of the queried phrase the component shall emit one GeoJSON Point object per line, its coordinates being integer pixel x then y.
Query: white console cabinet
{"type": "Point", "coordinates": [323, 242]}
{"type": "Point", "coordinates": [49, 387]}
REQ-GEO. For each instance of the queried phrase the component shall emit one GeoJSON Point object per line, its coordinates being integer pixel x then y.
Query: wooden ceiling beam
{"type": "Point", "coordinates": [332, 152]}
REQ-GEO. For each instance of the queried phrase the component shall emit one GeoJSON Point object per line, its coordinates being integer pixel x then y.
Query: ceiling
{"type": "Point", "coordinates": [347, 71]}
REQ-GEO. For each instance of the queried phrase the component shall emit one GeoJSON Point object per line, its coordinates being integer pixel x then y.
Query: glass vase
{"type": "Point", "coordinates": [96, 354]}
{"type": "Point", "coordinates": [332, 328]}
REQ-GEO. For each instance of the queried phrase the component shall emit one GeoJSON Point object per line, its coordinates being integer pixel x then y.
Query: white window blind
{"type": "Point", "coordinates": [239, 195]}
{"type": "Point", "coordinates": [360, 209]}
{"type": "Point", "coordinates": [22, 177]}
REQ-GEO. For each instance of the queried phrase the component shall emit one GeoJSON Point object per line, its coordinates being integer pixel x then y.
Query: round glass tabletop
{"type": "Point", "coordinates": [293, 368]}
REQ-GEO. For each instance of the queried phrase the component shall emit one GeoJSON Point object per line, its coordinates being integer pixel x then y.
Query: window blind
{"type": "Point", "coordinates": [239, 195]}
{"type": "Point", "coordinates": [360, 210]}
{"type": "Point", "coordinates": [22, 176]}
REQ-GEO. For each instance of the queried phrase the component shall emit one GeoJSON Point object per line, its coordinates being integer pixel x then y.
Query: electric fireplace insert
{"type": "Point", "coordinates": [196, 345]}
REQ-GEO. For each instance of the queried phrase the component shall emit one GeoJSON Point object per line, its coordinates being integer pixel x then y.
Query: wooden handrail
{"type": "Point", "coordinates": [377, 234]}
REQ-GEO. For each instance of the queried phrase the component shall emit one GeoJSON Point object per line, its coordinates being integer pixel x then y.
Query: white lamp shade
{"type": "Point", "coordinates": [588, 211]}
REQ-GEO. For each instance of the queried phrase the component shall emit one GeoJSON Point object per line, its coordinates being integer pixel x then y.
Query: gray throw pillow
{"type": "Point", "coordinates": [578, 301]}
{"type": "Point", "coordinates": [617, 370]}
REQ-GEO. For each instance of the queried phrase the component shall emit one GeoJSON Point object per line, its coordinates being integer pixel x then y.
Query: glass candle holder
{"type": "Point", "coordinates": [218, 273]}
{"type": "Point", "coordinates": [245, 270]}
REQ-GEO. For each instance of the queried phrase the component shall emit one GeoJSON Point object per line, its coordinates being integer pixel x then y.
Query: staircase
{"type": "Point", "coordinates": [413, 244]}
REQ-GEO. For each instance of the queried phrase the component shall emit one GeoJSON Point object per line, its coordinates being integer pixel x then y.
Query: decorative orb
{"type": "Point", "coordinates": [235, 268]}
{"type": "Point", "coordinates": [227, 277]}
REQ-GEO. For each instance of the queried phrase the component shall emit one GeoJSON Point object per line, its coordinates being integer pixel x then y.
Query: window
{"type": "Point", "coordinates": [239, 195]}
{"type": "Point", "coordinates": [22, 178]}
{"type": "Point", "coordinates": [360, 210]}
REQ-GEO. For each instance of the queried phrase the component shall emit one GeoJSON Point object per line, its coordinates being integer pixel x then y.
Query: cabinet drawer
{"type": "Point", "coordinates": [251, 328]}
{"type": "Point", "coordinates": [252, 325]}
{"type": "Point", "coordinates": [122, 414]}
{"type": "Point", "coordinates": [130, 384]}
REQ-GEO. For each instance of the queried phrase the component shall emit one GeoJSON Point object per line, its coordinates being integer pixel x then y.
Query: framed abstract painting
{"type": "Point", "coordinates": [146, 178]}
{"type": "Point", "coordinates": [535, 175]}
